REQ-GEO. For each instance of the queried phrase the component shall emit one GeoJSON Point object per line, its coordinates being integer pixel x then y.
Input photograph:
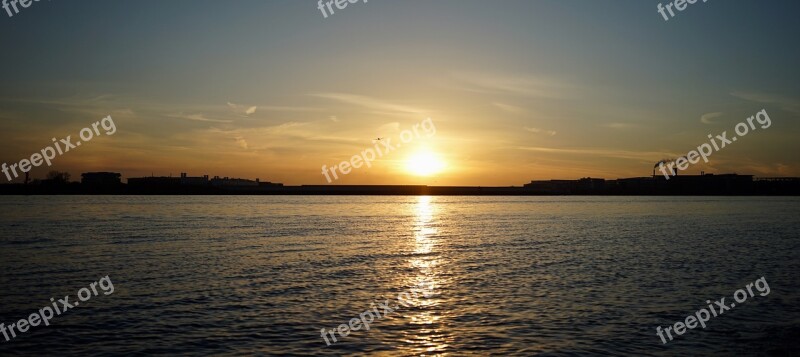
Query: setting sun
{"type": "Point", "coordinates": [424, 163]}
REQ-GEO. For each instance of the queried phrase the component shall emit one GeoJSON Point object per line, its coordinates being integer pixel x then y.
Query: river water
{"type": "Point", "coordinates": [512, 276]}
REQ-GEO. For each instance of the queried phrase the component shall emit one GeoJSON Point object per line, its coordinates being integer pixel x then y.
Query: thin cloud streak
{"type": "Point", "coordinates": [518, 85]}
{"type": "Point", "coordinates": [708, 117]}
{"type": "Point", "coordinates": [243, 109]}
{"type": "Point", "coordinates": [370, 103]}
{"type": "Point", "coordinates": [791, 105]}
{"type": "Point", "coordinates": [619, 125]}
{"type": "Point", "coordinates": [540, 131]}
{"type": "Point", "coordinates": [616, 154]}
{"type": "Point", "coordinates": [509, 108]}
{"type": "Point", "coordinates": [198, 117]}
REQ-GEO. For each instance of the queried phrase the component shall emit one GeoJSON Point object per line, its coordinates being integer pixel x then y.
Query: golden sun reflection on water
{"type": "Point", "coordinates": [427, 337]}
{"type": "Point", "coordinates": [425, 236]}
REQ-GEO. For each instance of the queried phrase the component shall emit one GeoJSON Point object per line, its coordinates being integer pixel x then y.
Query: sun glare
{"type": "Point", "coordinates": [424, 163]}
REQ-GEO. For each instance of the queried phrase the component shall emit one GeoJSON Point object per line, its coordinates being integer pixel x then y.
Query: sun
{"type": "Point", "coordinates": [424, 163]}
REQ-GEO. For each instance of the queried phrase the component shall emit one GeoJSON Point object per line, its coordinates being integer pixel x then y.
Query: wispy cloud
{"type": "Point", "coordinates": [389, 128]}
{"type": "Point", "coordinates": [242, 109]}
{"type": "Point", "coordinates": [519, 85]}
{"type": "Point", "coordinates": [198, 117]}
{"type": "Point", "coordinates": [540, 131]}
{"type": "Point", "coordinates": [708, 117]}
{"type": "Point", "coordinates": [241, 142]}
{"type": "Point", "coordinates": [609, 153]}
{"type": "Point", "coordinates": [278, 108]}
{"type": "Point", "coordinates": [509, 108]}
{"type": "Point", "coordinates": [791, 105]}
{"type": "Point", "coordinates": [619, 125]}
{"type": "Point", "coordinates": [371, 103]}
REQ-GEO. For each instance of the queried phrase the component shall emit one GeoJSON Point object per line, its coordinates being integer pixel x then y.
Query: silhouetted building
{"type": "Point", "coordinates": [705, 184]}
{"type": "Point", "coordinates": [101, 178]}
{"type": "Point", "coordinates": [710, 184]}
{"type": "Point", "coordinates": [194, 181]}
{"type": "Point", "coordinates": [778, 185]}
{"type": "Point", "coordinates": [586, 185]}
{"type": "Point", "coordinates": [157, 182]}
{"type": "Point", "coordinates": [186, 184]}
{"type": "Point", "coordinates": [633, 186]}
{"type": "Point", "coordinates": [226, 182]}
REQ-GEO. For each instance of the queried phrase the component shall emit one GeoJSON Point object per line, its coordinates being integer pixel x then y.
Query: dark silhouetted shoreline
{"type": "Point", "coordinates": [106, 183]}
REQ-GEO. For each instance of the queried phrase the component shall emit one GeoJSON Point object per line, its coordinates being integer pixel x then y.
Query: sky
{"type": "Point", "coordinates": [517, 90]}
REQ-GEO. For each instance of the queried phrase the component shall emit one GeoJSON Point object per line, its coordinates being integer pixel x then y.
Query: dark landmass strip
{"type": "Point", "coordinates": [105, 183]}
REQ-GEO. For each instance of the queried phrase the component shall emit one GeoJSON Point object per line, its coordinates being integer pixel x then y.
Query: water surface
{"type": "Point", "coordinates": [514, 276]}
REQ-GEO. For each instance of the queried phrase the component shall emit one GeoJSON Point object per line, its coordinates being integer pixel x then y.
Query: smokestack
{"type": "Point", "coordinates": [658, 165]}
